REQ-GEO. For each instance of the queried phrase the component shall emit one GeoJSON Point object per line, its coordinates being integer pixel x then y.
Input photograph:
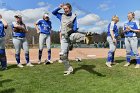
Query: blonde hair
{"type": "Point", "coordinates": [115, 18]}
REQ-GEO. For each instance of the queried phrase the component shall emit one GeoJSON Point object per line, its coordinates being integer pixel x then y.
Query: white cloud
{"type": "Point", "coordinates": [89, 19]}
{"type": "Point", "coordinates": [79, 12]}
{"type": "Point", "coordinates": [42, 3]}
{"type": "Point", "coordinates": [104, 7]}
{"type": "Point", "coordinates": [29, 15]}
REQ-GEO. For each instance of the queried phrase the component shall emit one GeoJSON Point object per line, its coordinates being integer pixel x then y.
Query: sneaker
{"type": "Point", "coordinates": [4, 68]}
{"type": "Point", "coordinates": [48, 62]}
{"type": "Point", "coordinates": [29, 65]}
{"type": "Point", "coordinates": [137, 66]}
{"type": "Point", "coordinates": [60, 61]}
{"type": "Point", "coordinates": [78, 59]}
{"type": "Point", "coordinates": [20, 65]}
{"type": "Point", "coordinates": [88, 38]}
{"type": "Point", "coordinates": [114, 63]}
{"type": "Point", "coordinates": [39, 62]}
{"type": "Point", "coordinates": [69, 71]}
{"type": "Point", "coordinates": [108, 64]}
{"type": "Point", "coordinates": [127, 64]}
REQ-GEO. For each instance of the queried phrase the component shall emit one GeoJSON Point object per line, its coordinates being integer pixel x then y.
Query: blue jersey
{"type": "Point", "coordinates": [134, 26]}
{"type": "Point", "coordinates": [18, 34]}
{"type": "Point", "coordinates": [112, 26]}
{"type": "Point", "coordinates": [59, 16]}
{"type": "Point", "coordinates": [44, 26]}
{"type": "Point", "coordinates": [2, 33]}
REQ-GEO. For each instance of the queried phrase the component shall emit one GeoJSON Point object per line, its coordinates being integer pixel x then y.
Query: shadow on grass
{"type": "Point", "coordinates": [10, 90]}
{"type": "Point", "coordinates": [133, 61]}
{"type": "Point", "coordinates": [90, 69]}
{"type": "Point", "coordinates": [12, 66]}
{"type": "Point", "coordinates": [4, 81]}
{"type": "Point", "coordinates": [120, 61]}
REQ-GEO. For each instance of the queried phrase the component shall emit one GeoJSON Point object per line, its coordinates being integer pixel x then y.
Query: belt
{"type": "Point", "coordinates": [19, 36]}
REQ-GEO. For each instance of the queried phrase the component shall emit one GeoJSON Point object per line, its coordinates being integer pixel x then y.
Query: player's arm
{"type": "Point", "coordinates": [112, 32]}
{"type": "Point", "coordinates": [56, 13]}
{"type": "Point", "coordinates": [36, 27]}
{"type": "Point", "coordinates": [50, 31]}
{"type": "Point", "coordinates": [5, 23]}
{"type": "Point", "coordinates": [18, 28]}
{"type": "Point", "coordinates": [26, 30]}
{"type": "Point", "coordinates": [134, 30]}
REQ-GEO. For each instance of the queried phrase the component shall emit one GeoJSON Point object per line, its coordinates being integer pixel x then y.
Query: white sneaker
{"type": "Point", "coordinates": [137, 66]}
{"type": "Point", "coordinates": [29, 65]}
{"type": "Point", "coordinates": [127, 64]}
{"type": "Point", "coordinates": [60, 61]}
{"type": "Point", "coordinates": [78, 59]}
{"type": "Point", "coordinates": [39, 62]}
{"type": "Point", "coordinates": [48, 62]}
{"type": "Point", "coordinates": [70, 70]}
{"type": "Point", "coordinates": [20, 65]}
{"type": "Point", "coordinates": [108, 64]}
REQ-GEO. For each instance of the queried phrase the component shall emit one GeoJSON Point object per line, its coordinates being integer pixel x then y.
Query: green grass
{"type": "Point", "coordinates": [90, 76]}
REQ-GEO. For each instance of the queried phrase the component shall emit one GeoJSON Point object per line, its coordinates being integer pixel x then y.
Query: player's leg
{"type": "Point", "coordinates": [17, 44]}
{"type": "Point", "coordinates": [64, 55]}
{"type": "Point", "coordinates": [112, 48]}
{"type": "Point", "coordinates": [79, 37]}
{"type": "Point", "coordinates": [26, 51]}
{"type": "Point", "coordinates": [3, 57]}
{"type": "Point", "coordinates": [41, 45]}
{"type": "Point", "coordinates": [134, 45]}
{"type": "Point", "coordinates": [128, 51]}
{"type": "Point", "coordinates": [48, 43]}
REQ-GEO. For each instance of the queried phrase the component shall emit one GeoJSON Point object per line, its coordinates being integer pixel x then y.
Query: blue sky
{"type": "Point", "coordinates": [93, 15]}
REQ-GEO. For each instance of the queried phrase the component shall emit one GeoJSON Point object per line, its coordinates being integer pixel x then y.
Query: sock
{"type": "Point", "coordinates": [109, 58]}
{"type": "Point", "coordinates": [27, 57]}
{"type": "Point", "coordinates": [17, 56]}
{"type": "Point", "coordinates": [3, 58]}
{"type": "Point", "coordinates": [49, 54]}
{"type": "Point", "coordinates": [138, 59]}
{"type": "Point", "coordinates": [40, 55]}
{"type": "Point", "coordinates": [128, 57]}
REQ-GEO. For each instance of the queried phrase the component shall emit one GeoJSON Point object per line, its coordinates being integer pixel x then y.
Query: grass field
{"type": "Point", "coordinates": [90, 76]}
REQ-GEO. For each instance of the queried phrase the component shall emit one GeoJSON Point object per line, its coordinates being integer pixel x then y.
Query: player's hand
{"type": "Point", "coordinates": [61, 5]}
{"type": "Point", "coordinates": [114, 40]}
{"type": "Point", "coordinates": [128, 28]}
{"type": "Point", "coordinates": [38, 31]}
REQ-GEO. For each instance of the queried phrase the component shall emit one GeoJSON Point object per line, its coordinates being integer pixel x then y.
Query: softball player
{"type": "Point", "coordinates": [112, 35]}
{"type": "Point", "coordinates": [3, 59]}
{"type": "Point", "coordinates": [20, 41]}
{"type": "Point", "coordinates": [68, 33]}
{"type": "Point", "coordinates": [131, 41]}
{"type": "Point", "coordinates": [43, 26]}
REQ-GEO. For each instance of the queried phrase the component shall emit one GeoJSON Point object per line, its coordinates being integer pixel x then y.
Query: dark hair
{"type": "Point", "coordinates": [69, 6]}
{"type": "Point", "coordinates": [133, 14]}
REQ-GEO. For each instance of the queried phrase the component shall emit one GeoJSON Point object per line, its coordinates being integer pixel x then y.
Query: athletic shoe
{"type": "Point", "coordinates": [60, 61]}
{"type": "Point", "coordinates": [127, 64]}
{"type": "Point", "coordinates": [20, 65]}
{"type": "Point", "coordinates": [69, 71]}
{"type": "Point", "coordinates": [114, 63]}
{"type": "Point", "coordinates": [137, 66]}
{"type": "Point", "coordinates": [4, 68]}
{"type": "Point", "coordinates": [39, 62]}
{"type": "Point", "coordinates": [48, 62]}
{"type": "Point", "coordinates": [29, 65]}
{"type": "Point", "coordinates": [108, 64]}
{"type": "Point", "coordinates": [78, 59]}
